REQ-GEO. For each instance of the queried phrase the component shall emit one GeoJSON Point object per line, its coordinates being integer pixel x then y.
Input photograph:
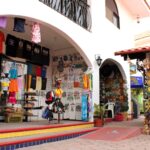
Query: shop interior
{"type": "Point", "coordinates": [31, 63]}
{"type": "Point", "coordinates": [113, 91]}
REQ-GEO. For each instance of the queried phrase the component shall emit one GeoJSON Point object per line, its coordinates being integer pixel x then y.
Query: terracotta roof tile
{"type": "Point", "coordinates": [134, 50]}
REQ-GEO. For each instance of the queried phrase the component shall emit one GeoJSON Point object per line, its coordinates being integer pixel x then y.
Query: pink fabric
{"type": "Point", "coordinates": [3, 22]}
{"type": "Point", "coordinates": [36, 35]}
{"type": "Point", "coordinates": [12, 98]}
{"type": "Point", "coordinates": [20, 83]}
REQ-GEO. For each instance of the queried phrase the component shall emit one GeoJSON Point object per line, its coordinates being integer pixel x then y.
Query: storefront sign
{"type": "Point", "coordinates": [136, 82]}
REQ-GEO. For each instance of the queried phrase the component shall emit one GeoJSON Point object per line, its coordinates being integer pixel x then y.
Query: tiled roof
{"type": "Point", "coordinates": [133, 51]}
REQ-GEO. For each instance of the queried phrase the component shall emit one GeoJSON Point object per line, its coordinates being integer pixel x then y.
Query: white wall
{"type": "Point", "coordinates": [104, 38]}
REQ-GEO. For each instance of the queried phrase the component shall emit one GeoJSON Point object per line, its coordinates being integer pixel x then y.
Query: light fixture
{"type": "Point", "coordinates": [98, 59]}
{"type": "Point", "coordinates": [138, 19]}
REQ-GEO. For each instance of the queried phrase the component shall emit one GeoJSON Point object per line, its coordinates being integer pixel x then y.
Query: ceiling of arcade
{"type": "Point", "coordinates": [49, 38]}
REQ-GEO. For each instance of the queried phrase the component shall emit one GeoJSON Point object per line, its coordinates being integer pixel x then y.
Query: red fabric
{"type": "Point", "coordinates": [1, 41]}
{"type": "Point", "coordinates": [12, 98]}
{"type": "Point", "coordinates": [50, 97]}
{"type": "Point", "coordinates": [38, 71]}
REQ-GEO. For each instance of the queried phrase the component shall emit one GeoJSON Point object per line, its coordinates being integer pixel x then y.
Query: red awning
{"type": "Point", "coordinates": [145, 49]}
{"type": "Point", "coordinates": [135, 53]}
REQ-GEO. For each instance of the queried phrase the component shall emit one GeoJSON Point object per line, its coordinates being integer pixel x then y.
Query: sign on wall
{"type": "Point", "coordinates": [136, 82]}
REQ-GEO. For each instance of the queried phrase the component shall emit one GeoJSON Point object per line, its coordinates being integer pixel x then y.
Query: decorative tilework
{"type": "Point", "coordinates": [50, 139]}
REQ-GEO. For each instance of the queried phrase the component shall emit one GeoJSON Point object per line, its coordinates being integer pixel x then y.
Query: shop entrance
{"type": "Point", "coordinates": [41, 63]}
{"type": "Point", "coordinates": [113, 91]}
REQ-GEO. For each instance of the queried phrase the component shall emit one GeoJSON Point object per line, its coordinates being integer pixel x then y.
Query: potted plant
{"type": "Point", "coordinates": [124, 109]}
{"type": "Point", "coordinates": [98, 115]}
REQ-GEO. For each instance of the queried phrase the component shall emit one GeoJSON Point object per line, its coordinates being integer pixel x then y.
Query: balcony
{"type": "Point", "coordinates": [76, 10]}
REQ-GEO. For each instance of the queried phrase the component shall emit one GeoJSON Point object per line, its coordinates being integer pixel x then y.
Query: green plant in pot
{"type": "Point", "coordinates": [98, 115]}
{"type": "Point", "coordinates": [124, 109]}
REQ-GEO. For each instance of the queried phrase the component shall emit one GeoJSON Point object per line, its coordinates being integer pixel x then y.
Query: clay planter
{"type": "Point", "coordinates": [98, 122]}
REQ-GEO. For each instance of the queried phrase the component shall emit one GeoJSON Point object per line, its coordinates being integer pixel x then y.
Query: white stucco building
{"type": "Point", "coordinates": [111, 25]}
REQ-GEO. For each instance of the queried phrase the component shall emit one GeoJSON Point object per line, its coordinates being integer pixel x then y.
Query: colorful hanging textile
{"type": "Point", "coordinates": [2, 38]}
{"type": "Point", "coordinates": [85, 81]}
{"type": "Point", "coordinates": [3, 22]}
{"type": "Point", "coordinates": [36, 35]}
{"type": "Point", "coordinates": [19, 25]}
{"type": "Point", "coordinates": [84, 108]}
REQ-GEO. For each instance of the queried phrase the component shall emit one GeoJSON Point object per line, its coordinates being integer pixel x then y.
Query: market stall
{"type": "Point", "coordinates": [142, 56]}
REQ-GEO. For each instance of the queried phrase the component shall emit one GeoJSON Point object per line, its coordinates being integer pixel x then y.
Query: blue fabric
{"type": "Point", "coordinates": [45, 114]}
{"type": "Point", "coordinates": [19, 25]}
{"type": "Point", "coordinates": [13, 74]}
{"type": "Point", "coordinates": [29, 69]}
{"type": "Point", "coordinates": [43, 72]}
{"type": "Point", "coordinates": [84, 108]}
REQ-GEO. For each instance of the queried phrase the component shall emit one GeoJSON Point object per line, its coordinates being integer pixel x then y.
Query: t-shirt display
{"type": "Point", "coordinates": [11, 45]}
{"type": "Point", "coordinates": [33, 52]}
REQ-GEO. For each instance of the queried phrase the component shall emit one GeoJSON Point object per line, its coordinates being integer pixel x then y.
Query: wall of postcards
{"type": "Point", "coordinates": [70, 68]}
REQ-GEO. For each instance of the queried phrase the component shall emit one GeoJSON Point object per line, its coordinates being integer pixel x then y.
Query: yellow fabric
{"type": "Point", "coordinates": [29, 81]}
{"type": "Point", "coordinates": [5, 84]}
{"type": "Point", "coordinates": [58, 92]}
{"type": "Point", "coordinates": [85, 81]}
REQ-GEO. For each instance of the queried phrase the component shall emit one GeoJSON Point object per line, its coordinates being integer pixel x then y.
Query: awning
{"type": "Point", "coordinates": [135, 53]}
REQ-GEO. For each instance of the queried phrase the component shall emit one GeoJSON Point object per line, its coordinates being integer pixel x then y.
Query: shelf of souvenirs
{"type": "Point", "coordinates": [30, 93]}
{"type": "Point", "coordinates": [39, 107]}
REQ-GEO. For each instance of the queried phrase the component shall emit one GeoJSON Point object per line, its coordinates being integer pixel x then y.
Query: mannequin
{"type": "Point", "coordinates": [58, 94]}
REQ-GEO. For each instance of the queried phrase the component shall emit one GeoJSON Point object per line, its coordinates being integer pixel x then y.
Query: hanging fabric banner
{"type": "Point", "coordinates": [3, 22]}
{"type": "Point", "coordinates": [36, 34]}
{"type": "Point", "coordinates": [84, 108]}
{"type": "Point", "coordinates": [19, 25]}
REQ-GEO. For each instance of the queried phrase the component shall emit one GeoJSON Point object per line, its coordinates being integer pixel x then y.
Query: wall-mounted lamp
{"type": "Point", "coordinates": [98, 59]}
{"type": "Point", "coordinates": [138, 19]}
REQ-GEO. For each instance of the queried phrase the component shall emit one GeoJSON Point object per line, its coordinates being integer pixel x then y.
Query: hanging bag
{"type": "Point", "coordinates": [45, 113]}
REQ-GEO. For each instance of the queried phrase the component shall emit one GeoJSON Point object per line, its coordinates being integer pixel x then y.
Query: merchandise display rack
{"type": "Point", "coordinates": [29, 99]}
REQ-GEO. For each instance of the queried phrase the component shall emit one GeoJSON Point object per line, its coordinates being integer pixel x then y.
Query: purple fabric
{"type": "Point", "coordinates": [3, 22]}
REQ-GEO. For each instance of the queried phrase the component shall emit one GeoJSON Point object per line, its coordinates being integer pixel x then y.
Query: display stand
{"type": "Point", "coordinates": [29, 104]}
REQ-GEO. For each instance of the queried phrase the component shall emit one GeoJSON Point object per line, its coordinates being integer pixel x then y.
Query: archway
{"type": "Point", "coordinates": [75, 59]}
{"type": "Point", "coordinates": [113, 87]}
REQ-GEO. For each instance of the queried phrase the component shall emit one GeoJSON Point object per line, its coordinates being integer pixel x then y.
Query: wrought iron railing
{"type": "Point", "coordinates": [76, 10]}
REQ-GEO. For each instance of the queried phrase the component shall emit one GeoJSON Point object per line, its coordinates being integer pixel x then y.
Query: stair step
{"type": "Point", "coordinates": [13, 139]}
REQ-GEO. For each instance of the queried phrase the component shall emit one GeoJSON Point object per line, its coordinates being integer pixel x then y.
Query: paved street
{"type": "Point", "coordinates": [140, 142]}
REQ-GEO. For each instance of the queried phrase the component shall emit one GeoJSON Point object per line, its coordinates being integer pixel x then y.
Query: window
{"type": "Point", "coordinates": [112, 12]}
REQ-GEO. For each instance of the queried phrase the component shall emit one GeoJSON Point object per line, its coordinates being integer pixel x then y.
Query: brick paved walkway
{"type": "Point", "coordinates": [140, 142]}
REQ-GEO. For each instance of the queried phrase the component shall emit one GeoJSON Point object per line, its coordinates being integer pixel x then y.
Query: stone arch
{"type": "Point", "coordinates": [24, 10]}
{"type": "Point", "coordinates": [112, 82]}
{"type": "Point", "coordinates": [112, 61]}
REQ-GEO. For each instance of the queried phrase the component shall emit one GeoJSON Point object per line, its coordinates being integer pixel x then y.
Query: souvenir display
{"type": "Point", "coordinates": [69, 68]}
